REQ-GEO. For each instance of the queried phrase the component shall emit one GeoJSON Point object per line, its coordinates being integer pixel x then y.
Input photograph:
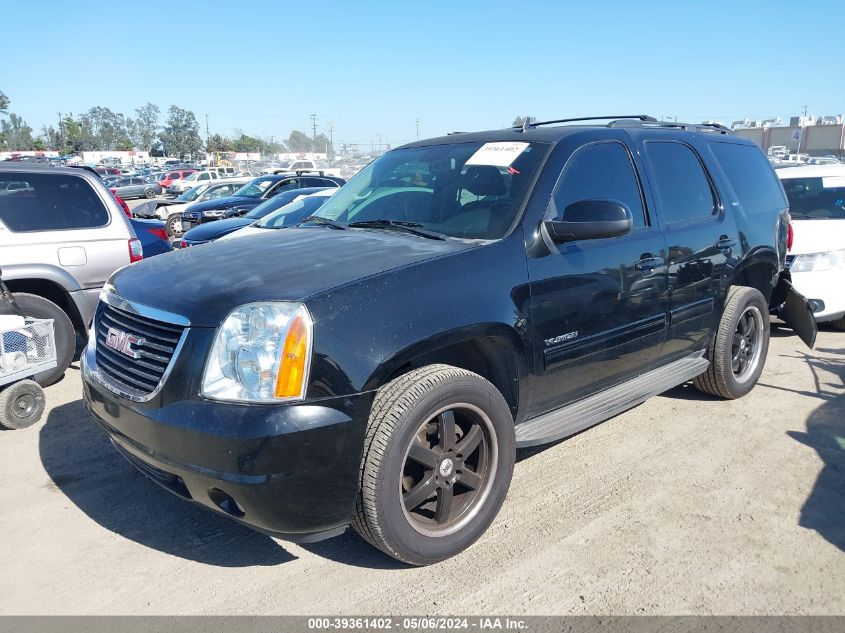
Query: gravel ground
{"type": "Point", "coordinates": [683, 505]}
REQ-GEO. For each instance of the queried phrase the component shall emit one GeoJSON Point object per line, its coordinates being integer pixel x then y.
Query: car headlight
{"type": "Point", "coordinates": [214, 213]}
{"type": "Point", "coordinates": [818, 261]}
{"type": "Point", "coordinates": [261, 353]}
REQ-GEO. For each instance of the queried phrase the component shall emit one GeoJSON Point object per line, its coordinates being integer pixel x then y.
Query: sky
{"type": "Point", "coordinates": [372, 69]}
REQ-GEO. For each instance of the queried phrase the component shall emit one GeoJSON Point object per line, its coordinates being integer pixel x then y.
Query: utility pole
{"type": "Point", "coordinates": [805, 112]}
{"type": "Point", "coordinates": [418, 129]}
{"type": "Point", "coordinates": [331, 138]}
{"type": "Point", "coordinates": [207, 135]}
{"type": "Point", "coordinates": [59, 114]}
{"type": "Point", "coordinates": [313, 132]}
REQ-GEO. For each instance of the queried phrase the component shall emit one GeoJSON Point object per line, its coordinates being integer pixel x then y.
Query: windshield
{"type": "Point", "coordinates": [193, 176]}
{"type": "Point", "coordinates": [254, 188]}
{"type": "Point", "coordinates": [816, 198]}
{"type": "Point", "coordinates": [192, 194]}
{"type": "Point", "coordinates": [292, 213]}
{"type": "Point", "coordinates": [461, 190]}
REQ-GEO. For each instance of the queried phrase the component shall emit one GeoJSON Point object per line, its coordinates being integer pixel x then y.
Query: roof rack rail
{"type": "Point", "coordinates": [638, 117]}
{"type": "Point", "coordinates": [705, 126]}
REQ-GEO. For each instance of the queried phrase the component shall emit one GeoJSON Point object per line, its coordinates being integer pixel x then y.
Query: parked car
{"type": "Point", "coordinates": [170, 211]}
{"type": "Point", "coordinates": [134, 187]}
{"type": "Point", "coordinates": [290, 203]}
{"type": "Point", "coordinates": [107, 171]}
{"type": "Point", "coordinates": [817, 258]}
{"type": "Point", "coordinates": [60, 239]}
{"type": "Point", "coordinates": [196, 178]}
{"type": "Point", "coordinates": [153, 236]}
{"type": "Point", "coordinates": [459, 297]}
{"type": "Point", "coordinates": [170, 177]}
{"type": "Point", "coordinates": [250, 196]}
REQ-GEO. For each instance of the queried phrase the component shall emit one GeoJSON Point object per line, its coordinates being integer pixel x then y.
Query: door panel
{"type": "Point", "coordinates": [599, 308]}
{"type": "Point", "coordinates": [597, 318]}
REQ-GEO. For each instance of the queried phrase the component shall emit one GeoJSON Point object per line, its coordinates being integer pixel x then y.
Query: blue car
{"type": "Point", "coordinates": [213, 230]}
{"type": "Point", "coordinates": [152, 235]}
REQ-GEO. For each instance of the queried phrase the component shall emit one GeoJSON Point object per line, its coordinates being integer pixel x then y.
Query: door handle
{"type": "Point", "coordinates": [648, 264]}
{"type": "Point", "coordinates": [725, 243]}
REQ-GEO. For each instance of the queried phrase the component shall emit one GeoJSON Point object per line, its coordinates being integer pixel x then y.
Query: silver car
{"type": "Point", "coordinates": [62, 235]}
{"type": "Point", "coordinates": [135, 187]}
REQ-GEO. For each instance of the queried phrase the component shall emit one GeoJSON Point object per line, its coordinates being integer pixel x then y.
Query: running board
{"type": "Point", "coordinates": [588, 412]}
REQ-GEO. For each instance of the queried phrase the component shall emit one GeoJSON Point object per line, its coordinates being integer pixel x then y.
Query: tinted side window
{"type": "Point", "coordinates": [682, 185]}
{"type": "Point", "coordinates": [750, 175]}
{"type": "Point", "coordinates": [51, 202]}
{"type": "Point", "coordinates": [314, 182]}
{"type": "Point", "coordinates": [602, 171]}
{"type": "Point", "coordinates": [822, 198]}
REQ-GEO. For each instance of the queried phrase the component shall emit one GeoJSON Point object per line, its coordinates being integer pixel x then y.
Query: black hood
{"type": "Point", "coordinates": [224, 203]}
{"type": "Point", "coordinates": [204, 283]}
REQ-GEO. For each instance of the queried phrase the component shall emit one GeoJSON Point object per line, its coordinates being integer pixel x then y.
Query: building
{"type": "Point", "coordinates": [814, 136]}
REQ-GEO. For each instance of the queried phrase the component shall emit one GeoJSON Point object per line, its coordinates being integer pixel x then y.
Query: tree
{"type": "Point", "coordinates": [15, 133]}
{"type": "Point", "coordinates": [520, 120]}
{"type": "Point", "coordinates": [219, 143]}
{"type": "Point", "coordinates": [108, 129]}
{"type": "Point", "coordinates": [4, 102]}
{"type": "Point", "coordinates": [180, 135]}
{"type": "Point", "coordinates": [145, 126]}
{"type": "Point", "coordinates": [323, 145]}
{"type": "Point", "coordinates": [298, 142]}
{"type": "Point", "coordinates": [50, 137]}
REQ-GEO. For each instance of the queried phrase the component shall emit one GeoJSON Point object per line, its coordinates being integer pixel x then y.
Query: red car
{"type": "Point", "coordinates": [177, 174]}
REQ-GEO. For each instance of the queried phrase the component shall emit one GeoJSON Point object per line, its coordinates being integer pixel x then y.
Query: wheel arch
{"type": "Point", "coordinates": [49, 287]}
{"type": "Point", "coordinates": [759, 269]}
{"type": "Point", "coordinates": [493, 351]}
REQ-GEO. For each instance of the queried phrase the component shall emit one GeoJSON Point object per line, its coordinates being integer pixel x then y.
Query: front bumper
{"type": "Point", "coordinates": [827, 286]}
{"type": "Point", "coordinates": [290, 471]}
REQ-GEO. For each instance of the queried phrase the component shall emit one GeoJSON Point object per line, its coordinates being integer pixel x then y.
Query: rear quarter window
{"type": "Point", "coordinates": [51, 203]}
{"type": "Point", "coordinates": [756, 187]}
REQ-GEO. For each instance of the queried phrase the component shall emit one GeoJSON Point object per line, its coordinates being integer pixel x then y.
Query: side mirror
{"type": "Point", "coordinates": [591, 220]}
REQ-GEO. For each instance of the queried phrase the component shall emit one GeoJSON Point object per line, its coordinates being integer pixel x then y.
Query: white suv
{"type": "Point", "coordinates": [817, 259]}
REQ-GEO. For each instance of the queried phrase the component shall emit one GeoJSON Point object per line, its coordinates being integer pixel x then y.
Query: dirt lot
{"type": "Point", "coordinates": [684, 505]}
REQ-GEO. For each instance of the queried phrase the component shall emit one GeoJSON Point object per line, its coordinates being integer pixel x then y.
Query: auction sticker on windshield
{"type": "Point", "coordinates": [497, 154]}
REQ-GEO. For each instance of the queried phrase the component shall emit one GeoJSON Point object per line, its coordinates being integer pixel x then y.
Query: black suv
{"type": "Point", "coordinates": [460, 297]}
{"type": "Point", "coordinates": [252, 194]}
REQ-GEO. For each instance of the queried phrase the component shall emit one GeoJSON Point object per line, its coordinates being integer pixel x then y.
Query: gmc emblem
{"type": "Point", "coordinates": [123, 342]}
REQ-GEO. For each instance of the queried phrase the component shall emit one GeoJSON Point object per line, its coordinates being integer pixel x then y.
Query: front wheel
{"type": "Point", "coordinates": [149, 193]}
{"type": "Point", "coordinates": [438, 460]}
{"type": "Point", "coordinates": [737, 353]}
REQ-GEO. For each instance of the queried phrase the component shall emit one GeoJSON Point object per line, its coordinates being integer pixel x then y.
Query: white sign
{"type": "Point", "coordinates": [497, 154]}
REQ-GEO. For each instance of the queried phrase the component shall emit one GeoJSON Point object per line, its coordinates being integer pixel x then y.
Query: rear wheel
{"type": "Point", "coordinates": [41, 308]}
{"type": "Point", "coordinates": [737, 353]}
{"type": "Point", "coordinates": [149, 193]}
{"type": "Point", "coordinates": [438, 460]}
{"type": "Point", "coordinates": [173, 225]}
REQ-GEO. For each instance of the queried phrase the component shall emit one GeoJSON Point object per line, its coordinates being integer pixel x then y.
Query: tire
{"type": "Point", "coordinates": [149, 193]}
{"type": "Point", "coordinates": [39, 307]}
{"type": "Point", "coordinates": [737, 353]}
{"type": "Point", "coordinates": [838, 324]}
{"type": "Point", "coordinates": [465, 489]}
{"type": "Point", "coordinates": [21, 404]}
{"type": "Point", "coordinates": [171, 223]}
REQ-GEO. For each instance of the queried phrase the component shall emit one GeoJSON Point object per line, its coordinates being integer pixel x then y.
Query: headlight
{"type": "Point", "coordinates": [214, 213]}
{"type": "Point", "coordinates": [818, 261]}
{"type": "Point", "coordinates": [261, 353]}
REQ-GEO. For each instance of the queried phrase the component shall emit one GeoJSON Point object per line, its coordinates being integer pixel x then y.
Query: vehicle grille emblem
{"type": "Point", "coordinates": [123, 342]}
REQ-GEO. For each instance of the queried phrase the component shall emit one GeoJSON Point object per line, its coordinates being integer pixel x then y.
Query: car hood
{"type": "Point", "coordinates": [213, 230]}
{"type": "Point", "coordinates": [247, 230]}
{"type": "Point", "coordinates": [204, 283]}
{"type": "Point", "coordinates": [817, 236]}
{"type": "Point", "coordinates": [222, 203]}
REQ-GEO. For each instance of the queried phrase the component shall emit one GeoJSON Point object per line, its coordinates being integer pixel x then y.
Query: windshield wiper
{"type": "Point", "coordinates": [409, 227]}
{"type": "Point", "coordinates": [322, 221]}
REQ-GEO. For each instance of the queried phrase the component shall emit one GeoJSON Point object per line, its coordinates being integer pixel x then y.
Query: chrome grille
{"type": "Point", "coordinates": [143, 362]}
